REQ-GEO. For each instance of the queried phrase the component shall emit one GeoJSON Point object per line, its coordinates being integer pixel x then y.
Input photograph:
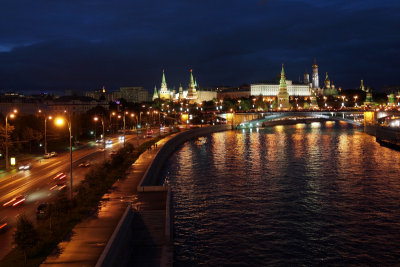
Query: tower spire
{"type": "Point", "coordinates": [283, 77]}
{"type": "Point", "coordinates": [155, 94]}
{"type": "Point", "coordinates": [283, 95]}
{"type": "Point", "coordinates": [163, 81]}
{"type": "Point", "coordinates": [191, 77]}
{"type": "Point", "coordinates": [164, 92]}
{"type": "Point", "coordinates": [192, 94]}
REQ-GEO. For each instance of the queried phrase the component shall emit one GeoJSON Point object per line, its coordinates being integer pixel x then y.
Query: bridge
{"type": "Point", "coordinates": [258, 119]}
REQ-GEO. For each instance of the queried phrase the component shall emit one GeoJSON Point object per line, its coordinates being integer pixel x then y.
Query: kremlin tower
{"type": "Point", "coordinates": [155, 94]}
{"type": "Point", "coordinates": [315, 79]}
{"type": "Point", "coordinates": [306, 78]}
{"type": "Point", "coordinates": [192, 94]}
{"type": "Point", "coordinates": [283, 95]}
{"type": "Point", "coordinates": [180, 92]}
{"type": "Point", "coordinates": [164, 92]}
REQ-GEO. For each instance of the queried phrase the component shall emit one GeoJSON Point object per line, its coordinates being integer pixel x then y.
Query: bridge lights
{"type": "Point", "coordinates": [343, 98]}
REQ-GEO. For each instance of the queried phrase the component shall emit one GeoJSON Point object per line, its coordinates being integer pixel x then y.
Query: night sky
{"type": "Point", "coordinates": [49, 45]}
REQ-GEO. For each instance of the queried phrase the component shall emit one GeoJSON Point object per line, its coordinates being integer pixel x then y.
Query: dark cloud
{"type": "Point", "coordinates": [57, 45]}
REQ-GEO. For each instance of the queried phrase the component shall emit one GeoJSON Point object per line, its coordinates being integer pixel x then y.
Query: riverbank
{"type": "Point", "coordinates": [385, 136]}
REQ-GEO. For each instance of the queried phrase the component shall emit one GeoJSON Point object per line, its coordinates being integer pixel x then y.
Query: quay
{"type": "Point", "coordinates": [134, 223]}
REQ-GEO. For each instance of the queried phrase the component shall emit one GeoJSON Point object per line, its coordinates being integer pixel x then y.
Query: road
{"type": "Point", "coordinates": [37, 185]}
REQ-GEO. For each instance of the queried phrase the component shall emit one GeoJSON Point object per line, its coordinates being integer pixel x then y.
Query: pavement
{"type": "Point", "coordinates": [90, 236]}
{"type": "Point", "coordinates": [38, 186]}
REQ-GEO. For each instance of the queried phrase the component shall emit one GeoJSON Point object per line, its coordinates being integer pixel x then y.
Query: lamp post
{"type": "Point", "coordinates": [59, 122]}
{"type": "Point", "coordinates": [11, 114]}
{"type": "Point", "coordinates": [104, 137]}
{"type": "Point", "coordinates": [124, 125]}
{"type": "Point", "coordinates": [45, 132]}
{"type": "Point", "coordinates": [355, 100]}
{"type": "Point", "coordinates": [137, 129]}
{"type": "Point", "coordinates": [343, 97]}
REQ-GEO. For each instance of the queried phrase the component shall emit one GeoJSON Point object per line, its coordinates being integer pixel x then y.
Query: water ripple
{"type": "Point", "coordinates": [286, 196]}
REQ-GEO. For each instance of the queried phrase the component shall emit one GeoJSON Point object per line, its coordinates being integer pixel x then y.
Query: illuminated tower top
{"type": "Point", "coordinates": [155, 94]}
{"type": "Point", "coordinates": [315, 79]}
{"type": "Point", "coordinates": [306, 78]}
{"type": "Point", "coordinates": [327, 81]}
{"type": "Point", "coordinates": [362, 85]}
{"type": "Point", "coordinates": [192, 94]}
{"type": "Point", "coordinates": [180, 91]}
{"type": "Point", "coordinates": [283, 95]}
{"type": "Point", "coordinates": [283, 78]}
{"type": "Point", "coordinates": [164, 92]}
{"type": "Point", "coordinates": [163, 82]}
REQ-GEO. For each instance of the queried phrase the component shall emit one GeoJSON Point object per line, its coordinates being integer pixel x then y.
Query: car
{"type": "Point", "coordinates": [109, 142]}
{"type": "Point", "coordinates": [42, 211]}
{"type": "Point", "coordinates": [53, 154]}
{"type": "Point", "coordinates": [24, 167]}
{"type": "Point", "coordinates": [59, 176]}
{"type": "Point", "coordinates": [60, 184]}
{"type": "Point", "coordinates": [15, 201]}
{"type": "Point", "coordinates": [47, 155]}
{"type": "Point", "coordinates": [3, 224]}
{"type": "Point", "coordinates": [84, 164]}
{"type": "Point", "coordinates": [99, 141]}
{"type": "Point", "coordinates": [149, 134]}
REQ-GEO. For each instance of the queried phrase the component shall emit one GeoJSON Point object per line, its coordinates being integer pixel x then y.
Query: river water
{"type": "Point", "coordinates": [307, 194]}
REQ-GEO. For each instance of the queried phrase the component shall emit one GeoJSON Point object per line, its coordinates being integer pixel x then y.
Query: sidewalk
{"type": "Point", "coordinates": [91, 235]}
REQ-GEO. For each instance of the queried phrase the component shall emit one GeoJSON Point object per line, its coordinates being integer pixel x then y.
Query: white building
{"type": "Point", "coordinates": [266, 89]}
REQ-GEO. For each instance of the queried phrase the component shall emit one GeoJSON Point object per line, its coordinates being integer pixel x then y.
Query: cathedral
{"type": "Point", "coordinates": [329, 89]}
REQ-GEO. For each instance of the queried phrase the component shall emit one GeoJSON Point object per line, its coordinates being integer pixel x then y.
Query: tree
{"type": "Point", "coordinates": [10, 129]}
{"type": "Point", "coordinates": [25, 237]}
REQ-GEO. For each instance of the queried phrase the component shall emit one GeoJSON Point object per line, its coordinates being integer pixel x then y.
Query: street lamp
{"type": "Point", "coordinates": [124, 125]}
{"type": "Point", "coordinates": [104, 136]}
{"type": "Point", "coordinates": [111, 114]}
{"type": "Point", "coordinates": [60, 122]}
{"type": "Point", "coordinates": [11, 114]}
{"type": "Point", "coordinates": [140, 120]}
{"type": "Point", "coordinates": [137, 129]}
{"type": "Point", "coordinates": [343, 97]}
{"type": "Point", "coordinates": [355, 100]}
{"type": "Point", "coordinates": [45, 130]}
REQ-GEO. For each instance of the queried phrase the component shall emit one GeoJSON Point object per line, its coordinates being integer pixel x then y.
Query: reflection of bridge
{"type": "Point", "coordinates": [259, 118]}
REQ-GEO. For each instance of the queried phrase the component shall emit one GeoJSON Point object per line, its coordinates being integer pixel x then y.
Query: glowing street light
{"type": "Point", "coordinates": [12, 115]}
{"type": "Point", "coordinates": [355, 100]}
{"type": "Point", "coordinates": [60, 121]}
{"type": "Point", "coordinates": [45, 130]}
{"type": "Point", "coordinates": [104, 136]}
{"type": "Point", "coordinates": [343, 97]}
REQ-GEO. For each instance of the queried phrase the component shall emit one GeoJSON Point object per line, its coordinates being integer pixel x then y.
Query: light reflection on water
{"type": "Point", "coordinates": [286, 195]}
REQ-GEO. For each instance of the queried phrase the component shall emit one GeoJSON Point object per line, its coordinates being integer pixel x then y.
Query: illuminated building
{"type": "Point", "coordinates": [192, 94]}
{"type": "Point", "coordinates": [272, 89]}
{"type": "Point", "coordinates": [164, 92]}
{"type": "Point", "coordinates": [283, 95]}
{"type": "Point", "coordinates": [329, 87]}
{"type": "Point", "coordinates": [315, 78]}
